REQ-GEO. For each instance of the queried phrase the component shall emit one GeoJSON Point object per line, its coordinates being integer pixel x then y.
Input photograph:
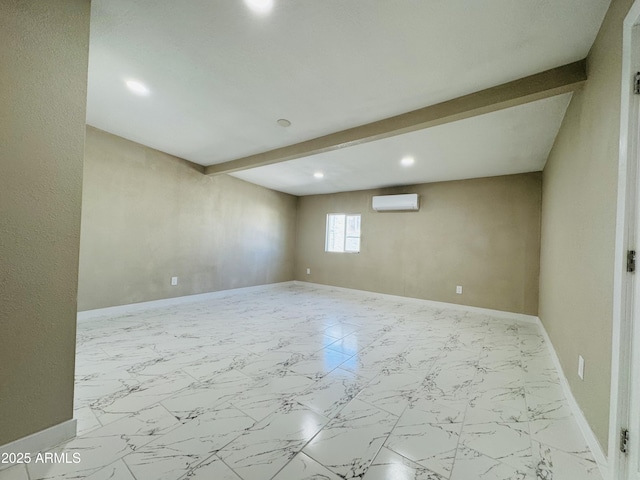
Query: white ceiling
{"type": "Point", "coordinates": [482, 146]}
{"type": "Point", "coordinates": [220, 76]}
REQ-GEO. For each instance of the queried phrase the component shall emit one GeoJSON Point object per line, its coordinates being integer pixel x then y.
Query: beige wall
{"type": "Point", "coordinates": [43, 75]}
{"type": "Point", "coordinates": [148, 216]}
{"type": "Point", "coordinates": [482, 234]}
{"type": "Point", "coordinates": [578, 226]}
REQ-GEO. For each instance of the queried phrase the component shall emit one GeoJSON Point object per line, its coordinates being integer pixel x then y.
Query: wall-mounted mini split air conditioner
{"type": "Point", "coordinates": [387, 203]}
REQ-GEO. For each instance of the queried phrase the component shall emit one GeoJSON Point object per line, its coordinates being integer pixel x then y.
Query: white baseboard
{"type": "Point", "coordinates": [592, 441]}
{"type": "Point", "coordinates": [42, 440]}
{"type": "Point", "coordinates": [431, 303]}
{"type": "Point", "coordinates": [590, 437]}
{"type": "Point", "coordinates": [167, 302]}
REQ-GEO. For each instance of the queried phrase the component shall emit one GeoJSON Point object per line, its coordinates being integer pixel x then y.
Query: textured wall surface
{"type": "Point", "coordinates": [43, 75]}
{"type": "Point", "coordinates": [483, 234]}
{"type": "Point", "coordinates": [148, 216]}
{"type": "Point", "coordinates": [578, 226]}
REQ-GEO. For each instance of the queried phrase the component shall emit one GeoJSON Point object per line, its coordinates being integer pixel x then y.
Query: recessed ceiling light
{"type": "Point", "coordinates": [137, 87]}
{"type": "Point", "coordinates": [318, 174]}
{"type": "Point", "coordinates": [407, 161]}
{"type": "Point", "coordinates": [260, 6]}
{"type": "Point", "coordinates": [283, 122]}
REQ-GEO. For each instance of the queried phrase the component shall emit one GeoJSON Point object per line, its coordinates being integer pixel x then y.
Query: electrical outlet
{"type": "Point", "coordinates": [174, 281]}
{"type": "Point", "coordinates": [308, 271]}
{"type": "Point", "coordinates": [581, 367]}
{"type": "Point", "coordinates": [459, 289]}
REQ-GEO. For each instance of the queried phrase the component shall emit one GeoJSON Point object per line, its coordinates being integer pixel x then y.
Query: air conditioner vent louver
{"type": "Point", "coordinates": [388, 203]}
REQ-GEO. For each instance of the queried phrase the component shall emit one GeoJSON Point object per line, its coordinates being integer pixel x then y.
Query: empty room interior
{"type": "Point", "coordinates": [266, 239]}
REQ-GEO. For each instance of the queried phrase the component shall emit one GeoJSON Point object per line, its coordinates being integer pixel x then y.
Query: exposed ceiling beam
{"type": "Point", "coordinates": [524, 90]}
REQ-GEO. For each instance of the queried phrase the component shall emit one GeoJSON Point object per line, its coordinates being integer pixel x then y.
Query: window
{"type": "Point", "coordinates": [343, 233]}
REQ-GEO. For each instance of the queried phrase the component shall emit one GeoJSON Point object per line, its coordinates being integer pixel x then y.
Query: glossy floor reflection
{"type": "Point", "coordinates": [298, 382]}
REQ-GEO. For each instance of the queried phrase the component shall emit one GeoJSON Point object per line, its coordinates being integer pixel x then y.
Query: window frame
{"type": "Point", "coordinates": [345, 235]}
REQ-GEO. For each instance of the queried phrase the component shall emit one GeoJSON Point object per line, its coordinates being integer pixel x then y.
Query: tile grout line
{"type": "Point", "coordinates": [534, 467]}
{"type": "Point", "coordinates": [396, 324]}
{"type": "Point", "coordinates": [466, 409]}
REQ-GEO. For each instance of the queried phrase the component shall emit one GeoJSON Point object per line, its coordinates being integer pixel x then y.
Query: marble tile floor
{"type": "Point", "coordinates": [296, 382]}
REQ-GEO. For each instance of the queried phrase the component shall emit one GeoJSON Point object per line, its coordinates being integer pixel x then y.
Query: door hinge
{"type": "Point", "coordinates": [636, 84]}
{"type": "Point", "coordinates": [624, 440]}
{"type": "Point", "coordinates": [631, 261]}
